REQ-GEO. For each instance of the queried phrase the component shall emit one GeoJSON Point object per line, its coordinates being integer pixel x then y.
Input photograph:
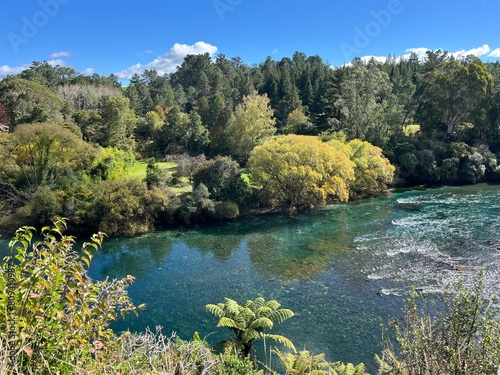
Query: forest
{"type": "Point", "coordinates": [218, 138]}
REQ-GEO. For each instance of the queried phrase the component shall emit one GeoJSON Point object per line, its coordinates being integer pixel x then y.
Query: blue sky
{"type": "Point", "coordinates": [125, 37]}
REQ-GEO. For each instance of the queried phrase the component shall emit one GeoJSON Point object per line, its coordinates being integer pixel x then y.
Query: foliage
{"type": "Point", "coordinates": [112, 164]}
{"type": "Point", "coordinates": [300, 172]}
{"type": "Point", "coordinates": [4, 118]}
{"type": "Point", "coordinates": [58, 313]}
{"type": "Point", "coordinates": [35, 155]}
{"type": "Point", "coordinates": [125, 207]}
{"type": "Point", "coordinates": [222, 177]}
{"type": "Point", "coordinates": [297, 122]}
{"type": "Point", "coordinates": [373, 172]}
{"type": "Point", "coordinates": [464, 338]}
{"type": "Point", "coordinates": [118, 122]}
{"type": "Point", "coordinates": [249, 321]}
{"type": "Point", "coordinates": [84, 96]}
{"type": "Point", "coordinates": [304, 363]}
{"type": "Point", "coordinates": [251, 123]}
{"type": "Point", "coordinates": [155, 176]}
{"type": "Point", "coordinates": [27, 102]}
{"type": "Point", "coordinates": [452, 91]}
{"type": "Point", "coordinates": [364, 103]}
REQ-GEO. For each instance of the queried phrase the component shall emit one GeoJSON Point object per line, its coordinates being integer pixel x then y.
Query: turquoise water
{"type": "Point", "coordinates": [341, 269]}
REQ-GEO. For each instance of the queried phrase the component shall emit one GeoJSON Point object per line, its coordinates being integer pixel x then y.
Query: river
{"type": "Point", "coordinates": [342, 269]}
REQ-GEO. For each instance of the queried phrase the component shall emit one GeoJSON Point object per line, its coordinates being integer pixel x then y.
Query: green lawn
{"type": "Point", "coordinates": [411, 129]}
{"type": "Point", "coordinates": [139, 169]}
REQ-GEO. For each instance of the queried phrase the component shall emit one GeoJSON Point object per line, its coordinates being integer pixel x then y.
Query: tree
{"type": "Point", "coordinates": [195, 138]}
{"type": "Point", "coordinates": [363, 102]}
{"type": "Point", "coordinates": [222, 177]}
{"type": "Point", "coordinates": [373, 172]}
{"type": "Point", "coordinates": [125, 207]}
{"type": "Point", "coordinates": [118, 122]}
{"type": "Point", "coordinates": [4, 119]}
{"type": "Point", "coordinates": [39, 154]}
{"type": "Point", "coordinates": [28, 102]}
{"type": "Point", "coordinates": [296, 122]}
{"type": "Point", "coordinates": [451, 92]}
{"type": "Point", "coordinates": [85, 97]}
{"type": "Point", "coordinates": [300, 172]}
{"type": "Point", "coordinates": [249, 321]}
{"type": "Point", "coordinates": [251, 123]}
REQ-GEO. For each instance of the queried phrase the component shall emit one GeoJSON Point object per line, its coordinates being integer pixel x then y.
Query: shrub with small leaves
{"type": "Point", "coordinates": [56, 316]}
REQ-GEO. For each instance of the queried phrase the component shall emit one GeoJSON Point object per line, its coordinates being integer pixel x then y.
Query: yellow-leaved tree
{"type": "Point", "coordinates": [300, 172]}
{"type": "Point", "coordinates": [373, 171]}
{"type": "Point", "coordinates": [251, 123]}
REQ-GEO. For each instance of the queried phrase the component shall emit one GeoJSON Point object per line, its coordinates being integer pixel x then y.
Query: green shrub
{"type": "Point", "coordinates": [54, 316]}
{"type": "Point", "coordinates": [226, 210]}
{"type": "Point", "coordinates": [462, 339]}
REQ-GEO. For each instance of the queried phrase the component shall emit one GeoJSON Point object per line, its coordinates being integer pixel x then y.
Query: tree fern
{"type": "Point", "coordinates": [304, 363]}
{"type": "Point", "coordinates": [250, 320]}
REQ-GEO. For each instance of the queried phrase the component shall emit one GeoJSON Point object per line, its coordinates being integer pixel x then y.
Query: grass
{"type": "Point", "coordinates": [411, 129]}
{"type": "Point", "coordinates": [139, 169]}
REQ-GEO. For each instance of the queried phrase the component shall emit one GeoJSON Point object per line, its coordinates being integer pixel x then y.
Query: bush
{"type": "Point", "coordinates": [53, 314]}
{"type": "Point", "coordinates": [226, 210]}
{"type": "Point", "coordinates": [125, 207]}
{"type": "Point", "coordinates": [462, 339]}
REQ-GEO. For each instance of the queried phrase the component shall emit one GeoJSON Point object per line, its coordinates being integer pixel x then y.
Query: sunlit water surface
{"type": "Point", "coordinates": [341, 270]}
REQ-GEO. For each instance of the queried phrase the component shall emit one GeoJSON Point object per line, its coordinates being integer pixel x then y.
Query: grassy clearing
{"type": "Point", "coordinates": [139, 169]}
{"type": "Point", "coordinates": [410, 130]}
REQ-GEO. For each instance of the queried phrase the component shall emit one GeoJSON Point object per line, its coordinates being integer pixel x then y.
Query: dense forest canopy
{"type": "Point", "coordinates": [436, 120]}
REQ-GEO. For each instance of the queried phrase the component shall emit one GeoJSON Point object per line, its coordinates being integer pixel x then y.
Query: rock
{"type": "Point", "coordinates": [409, 206]}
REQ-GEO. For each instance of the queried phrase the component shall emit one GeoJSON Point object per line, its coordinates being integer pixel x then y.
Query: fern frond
{"type": "Point", "coordinates": [250, 335]}
{"type": "Point", "coordinates": [273, 304]}
{"type": "Point", "coordinates": [241, 321]}
{"type": "Point", "coordinates": [281, 315]}
{"type": "Point", "coordinates": [281, 339]}
{"type": "Point", "coordinates": [232, 306]}
{"type": "Point", "coordinates": [227, 322]}
{"type": "Point", "coordinates": [248, 304]}
{"type": "Point", "coordinates": [258, 302]}
{"type": "Point", "coordinates": [264, 311]}
{"type": "Point", "coordinates": [261, 324]}
{"type": "Point", "coordinates": [215, 310]}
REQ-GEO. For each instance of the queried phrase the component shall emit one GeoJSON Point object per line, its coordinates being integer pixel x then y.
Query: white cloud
{"type": "Point", "coordinates": [421, 53]}
{"type": "Point", "coordinates": [88, 71]}
{"type": "Point", "coordinates": [495, 53]}
{"type": "Point", "coordinates": [479, 51]}
{"type": "Point", "coordinates": [168, 62]}
{"type": "Point", "coordinates": [366, 59]}
{"type": "Point", "coordinates": [58, 55]}
{"type": "Point", "coordinates": [56, 62]}
{"type": "Point", "coordinates": [6, 69]}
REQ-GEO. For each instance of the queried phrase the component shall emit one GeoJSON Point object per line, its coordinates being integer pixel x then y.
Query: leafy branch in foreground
{"type": "Point", "coordinates": [56, 314]}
